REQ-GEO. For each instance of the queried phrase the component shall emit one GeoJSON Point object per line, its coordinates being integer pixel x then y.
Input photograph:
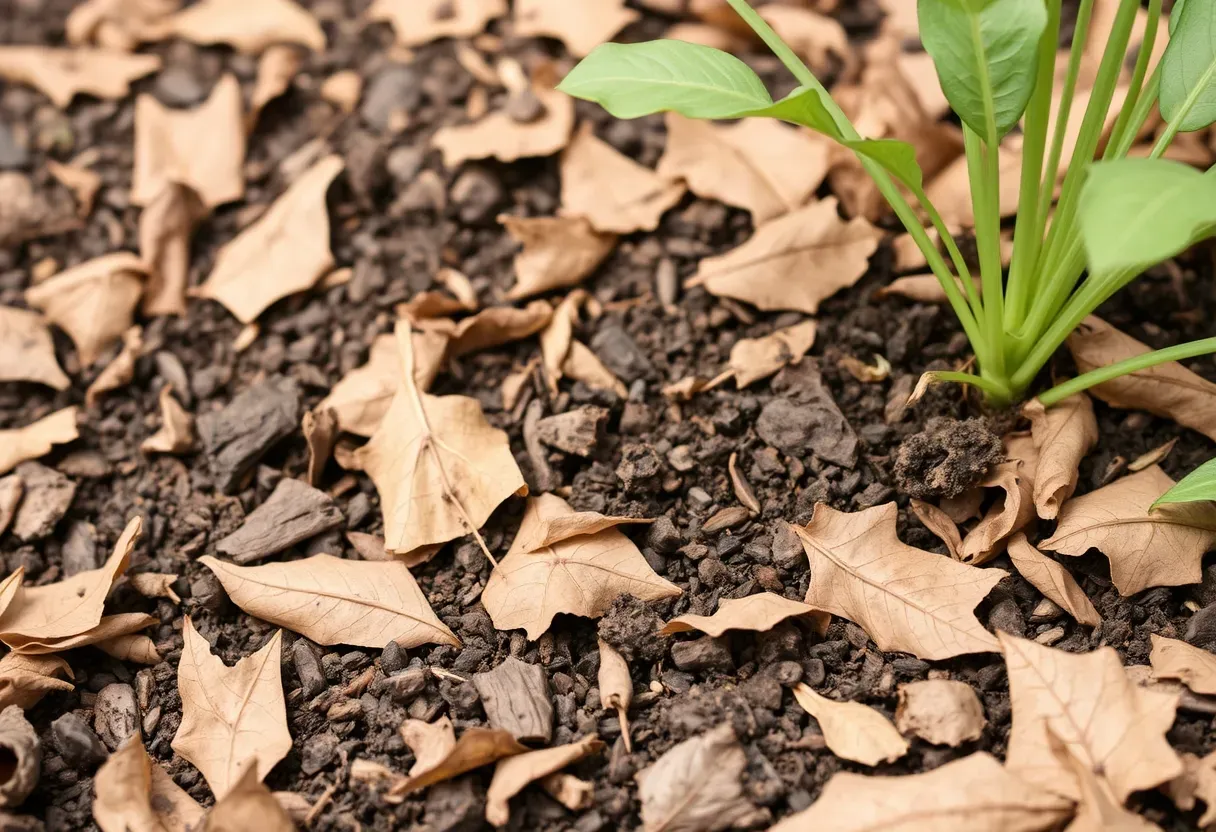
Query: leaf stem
{"type": "Point", "coordinates": [1126, 367]}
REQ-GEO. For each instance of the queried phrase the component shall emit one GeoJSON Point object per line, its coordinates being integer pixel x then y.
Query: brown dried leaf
{"type": "Point", "coordinates": [612, 191]}
{"type": "Point", "coordinates": [233, 718]}
{"type": "Point", "coordinates": [794, 262]}
{"type": "Point", "coordinates": [941, 524]}
{"type": "Point", "coordinates": [320, 429]}
{"type": "Point", "coordinates": [37, 438]}
{"type": "Point", "coordinates": [583, 365]}
{"type": "Point", "coordinates": [277, 68]}
{"type": "Point", "coordinates": [431, 742]}
{"type": "Point", "coordinates": [119, 372]}
{"type": "Point", "coordinates": [557, 252]}
{"type": "Point", "coordinates": [581, 27]}
{"type": "Point", "coordinates": [24, 680]}
{"type": "Point", "coordinates": [136, 648]}
{"type": "Point", "coordinates": [501, 137]}
{"type": "Point", "coordinates": [94, 302]}
{"type": "Point", "coordinates": [816, 38]}
{"type": "Point", "coordinates": [1168, 390]}
{"type": "Point", "coordinates": [62, 73]}
{"type": "Point", "coordinates": [1112, 726]}
{"type": "Point", "coordinates": [118, 25]}
{"type": "Point", "coordinates": [1163, 547]}
{"type": "Point", "coordinates": [512, 774]}
{"type": "Point", "coordinates": [27, 352]}
{"type": "Point", "coordinates": [82, 182]}
{"type": "Point", "coordinates": [109, 628]}
{"type": "Point", "coordinates": [616, 687]}
{"type": "Point", "coordinates": [906, 599]}
{"type": "Point", "coordinates": [12, 489]}
{"type": "Point", "coordinates": [851, 730]}
{"type": "Point", "coordinates": [1097, 808]}
{"type": "Point", "coordinates": [940, 711]}
{"type": "Point", "coordinates": [548, 519]}
{"type": "Point", "coordinates": [203, 148]}
{"type": "Point", "coordinates": [248, 805]}
{"type": "Point", "coordinates": [155, 585]}
{"type": "Point", "coordinates": [762, 166]}
{"type": "Point", "coordinates": [416, 22]}
{"type": "Point", "coordinates": [758, 613]}
{"type": "Point", "coordinates": [134, 794]}
{"type": "Point", "coordinates": [342, 89]}
{"type": "Point", "coordinates": [491, 327]}
{"type": "Point", "coordinates": [1197, 781]}
{"type": "Point", "coordinates": [1174, 659]}
{"type": "Point", "coordinates": [1063, 435]}
{"type": "Point", "coordinates": [696, 786]}
{"type": "Point", "coordinates": [752, 359]}
{"type": "Point", "coordinates": [165, 227]}
{"type": "Point", "coordinates": [476, 747]}
{"type": "Point", "coordinates": [1053, 580]}
{"type": "Point", "coordinates": [576, 795]}
{"type": "Point", "coordinates": [176, 434]}
{"type": "Point", "coordinates": [1011, 513]}
{"type": "Point", "coordinates": [248, 28]}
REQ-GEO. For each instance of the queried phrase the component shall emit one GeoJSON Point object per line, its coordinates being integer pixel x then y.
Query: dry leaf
{"type": "Point", "coordinates": [576, 795]}
{"type": "Point", "coordinates": [1174, 659]}
{"type": "Point", "coordinates": [247, 27]}
{"type": "Point", "coordinates": [439, 466]}
{"type": "Point", "coordinates": [940, 711]}
{"type": "Point", "coordinates": [818, 39]}
{"type": "Point", "coordinates": [512, 774]}
{"type": "Point", "coordinates": [752, 359]}
{"type": "Point", "coordinates": [119, 372]}
{"type": "Point", "coordinates": [1198, 781]}
{"type": "Point", "coordinates": [165, 227]}
{"type": "Point", "coordinates": [580, 26]}
{"type": "Point", "coordinates": [24, 680]}
{"type": "Point", "coordinates": [616, 687]}
{"type": "Point", "coordinates": [1053, 580]}
{"type": "Point", "coordinates": [134, 794]}
{"type": "Point", "coordinates": [203, 148]}
{"type": "Point", "coordinates": [501, 137]}
{"type": "Point", "coordinates": [583, 365]}
{"type": "Point", "coordinates": [1152, 457]}
{"type": "Point", "coordinates": [248, 805]}
{"type": "Point", "coordinates": [82, 182]}
{"type": "Point", "coordinates": [974, 794]}
{"type": "Point", "coordinates": [562, 356]}
{"type": "Point", "coordinates": [549, 519]}
{"type": "Point", "coordinates": [696, 786]}
{"type": "Point", "coordinates": [37, 438]}
{"type": "Point", "coordinates": [1063, 435]}
{"type": "Point", "coordinates": [342, 89]}
{"type": "Point", "coordinates": [476, 747]}
{"type": "Point", "coordinates": [277, 68]}
{"type": "Point", "coordinates": [94, 302]}
{"type": "Point", "coordinates": [176, 434]}
{"type": "Point", "coordinates": [286, 251]}
{"type": "Point", "coordinates": [612, 191]}
{"type": "Point", "coordinates": [1168, 390]}
{"type": "Point", "coordinates": [758, 613]}
{"type": "Point", "coordinates": [118, 25]}
{"type": "Point", "coordinates": [416, 22]}
{"type": "Point", "coordinates": [431, 742]}
{"type": "Point", "coordinates": [1097, 808]}
{"type": "Point", "coordinates": [1112, 726]}
{"type": "Point", "coordinates": [906, 599]}
{"type": "Point", "coordinates": [1162, 547]}
{"type": "Point", "coordinates": [489, 328]}
{"type": "Point", "coordinates": [580, 575]}
{"type": "Point", "coordinates": [557, 252]}
{"type": "Point", "coordinates": [794, 262]}
{"type": "Point", "coordinates": [155, 585]}
{"type": "Point", "coordinates": [27, 352]}
{"type": "Point", "coordinates": [336, 601]}
{"type": "Point", "coordinates": [941, 524]}
{"type": "Point", "coordinates": [852, 730]}
{"type": "Point", "coordinates": [62, 73]}
{"type": "Point", "coordinates": [136, 648]}
{"type": "Point", "coordinates": [233, 718]}
{"type": "Point", "coordinates": [1010, 513]}
{"type": "Point", "coordinates": [765, 167]}
{"type": "Point", "coordinates": [320, 429]}
{"type": "Point", "coordinates": [110, 628]}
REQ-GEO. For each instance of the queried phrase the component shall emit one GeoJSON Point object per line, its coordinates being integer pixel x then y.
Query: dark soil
{"type": "Point", "coordinates": [395, 245]}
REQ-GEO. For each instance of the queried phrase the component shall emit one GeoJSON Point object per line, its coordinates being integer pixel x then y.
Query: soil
{"type": "Point", "coordinates": [675, 457]}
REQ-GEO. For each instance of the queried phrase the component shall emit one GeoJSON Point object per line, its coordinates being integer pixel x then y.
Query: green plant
{"type": "Point", "coordinates": [996, 63]}
{"type": "Point", "coordinates": [1196, 486]}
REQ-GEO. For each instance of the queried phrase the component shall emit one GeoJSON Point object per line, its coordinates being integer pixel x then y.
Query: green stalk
{"type": "Point", "coordinates": [1171, 129]}
{"type": "Point", "coordinates": [1144, 108]}
{"type": "Point", "coordinates": [1135, 90]}
{"type": "Point", "coordinates": [1125, 367]}
{"type": "Point", "coordinates": [996, 392]}
{"type": "Point", "coordinates": [984, 172]}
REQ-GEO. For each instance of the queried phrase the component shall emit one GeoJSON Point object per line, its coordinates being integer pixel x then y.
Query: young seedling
{"type": "Point", "coordinates": [996, 63]}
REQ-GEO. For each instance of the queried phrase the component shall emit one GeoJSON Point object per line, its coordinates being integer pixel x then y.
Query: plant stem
{"type": "Point", "coordinates": [995, 391]}
{"type": "Point", "coordinates": [1135, 90]}
{"type": "Point", "coordinates": [1125, 367]}
{"type": "Point", "coordinates": [984, 171]}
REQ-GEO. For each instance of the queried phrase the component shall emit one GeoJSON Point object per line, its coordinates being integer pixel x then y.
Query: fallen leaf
{"type": "Point", "coordinates": [583, 365]}
{"type": "Point", "coordinates": [852, 730]}
{"type": "Point", "coordinates": [1162, 547]}
{"type": "Point", "coordinates": [119, 372]}
{"type": "Point", "coordinates": [335, 601]}
{"type": "Point", "coordinates": [431, 742]}
{"type": "Point", "coordinates": [165, 227]}
{"type": "Point", "coordinates": [176, 434]}
{"type": "Point", "coordinates": [94, 302]}
{"type": "Point", "coordinates": [320, 429]}
{"type": "Point", "coordinates": [1197, 781]}
{"type": "Point", "coordinates": [1097, 808]}
{"type": "Point", "coordinates": [613, 192]}
{"type": "Point", "coordinates": [203, 148]}
{"type": "Point", "coordinates": [233, 718]}
{"type": "Point", "coordinates": [1010, 513]}
{"type": "Point", "coordinates": [439, 466]}
{"type": "Point", "coordinates": [906, 599]}
{"type": "Point", "coordinates": [286, 251]}
{"type": "Point", "coordinates": [696, 785]}
{"type": "Point", "coordinates": [818, 39]}
{"type": "Point", "coordinates": [941, 524]}
{"type": "Point", "coordinates": [27, 351]}
{"type": "Point", "coordinates": [616, 687]}
{"type": "Point", "coordinates": [133, 647]}
{"type": "Point", "coordinates": [476, 747]}
{"type": "Point", "coordinates": [548, 519]}
{"type": "Point", "coordinates": [118, 25]}
{"type": "Point", "coordinates": [940, 711]}
{"type": "Point", "coordinates": [581, 27]}
{"type": "Point", "coordinates": [22, 757]}
{"type": "Point", "coordinates": [491, 327]}
{"type": "Point", "coordinates": [1053, 580]}
{"type": "Point", "coordinates": [248, 28]}
{"type": "Point", "coordinates": [1168, 390]}
{"type": "Point", "coordinates": [342, 89]}
{"type": "Point", "coordinates": [922, 288]}
{"type": "Point", "coordinates": [576, 795]}
{"type": "Point", "coordinates": [155, 585]}
{"type": "Point", "coordinates": [82, 182]}
{"type": "Point", "coordinates": [974, 794]}
{"type": "Point", "coordinates": [501, 137]}
{"type": "Point", "coordinates": [900, 18]}
{"type": "Point", "coordinates": [246, 806]}
{"type": "Point", "coordinates": [580, 575]}
{"type": "Point", "coordinates": [134, 794]}
{"type": "Point", "coordinates": [563, 356]}
{"type": "Point", "coordinates": [1063, 435]}
{"type": "Point", "coordinates": [758, 613]}
{"type": "Point", "coordinates": [277, 68]}
{"type": "Point", "coordinates": [752, 359]}
{"type": "Point", "coordinates": [794, 262]}
{"type": "Point", "coordinates": [1174, 659]}
{"type": "Point", "coordinates": [512, 774]}
{"type": "Point", "coordinates": [1152, 457]}
{"type": "Point", "coordinates": [763, 166]}
{"type": "Point", "coordinates": [416, 22]}
{"type": "Point", "coordinates": [110, 628]}
{"type": "Point", "coordinates": [62, 73]}
{"type": "Point", "coordinates": [28, 212]}
{"type": "Point", "coordinates": [24, 680]}
{"type": "Point", "coordinates": [1112, 726]}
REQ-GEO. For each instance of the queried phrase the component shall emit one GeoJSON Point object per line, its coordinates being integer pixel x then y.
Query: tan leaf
{"type": "Point", "coordinates": [1010, 513]}
{"type": "Point", "coordinates": [119, 372]}
{"type": "Point", "coordinates": [940, 711]}
{"type": "Point", "coordinates": [906, 599]}
{"type": "Point", "coordinates": [336, 601]}
{"type": "Point", "coordinates": [557, 252]}
{"type": "Point", "coordinates": [27, 352]}
{"type": "Point", "coordinates": [109, 628]}
{"type": "Point", "coordinates": [277, 68]}
{"type": "Point", "coordinates": [852, 730]}
{"type": "Point", "coordinates": [24, 680]}
{"type": "Point", "coordinates": [1174, 659]}
{"type": "Point", "coordinates": [562, 356]}
{"type": "Point", "coordinates": [246, 27]}
{"type": "Point", "coordinates": [1112, 726]}
{"type": "Point", "coordinates": [576, 795]}
{"type": "Point", "coordinates": [1168, 390]}
{"type": "Point", "coordinates": [512, 774]}
{"type": "Point", "coordinates": [816, 38]}
{"type": "Point", "coordinates": [765, 167]}
{"type": "Point", "coordinates": [548, 519]}
{"type": "Point", "coordinates": [752, 359]}
{"type": "Point", "coordinates": [758, 613]}
{"type": "Point", "coordinates": [583, 365]}
{"type": "Point", "coordinates": [581, 27]}
{"type": "Point", "coordinates": [501, 137]}
{"type": "Point", "coordinates": [616, 687]}
{"type": "Point", "coordinates": [62, 73]}
{"type": "Point", "coordinates": [176, 434]}
{"type": "Point", "coordinates": [491, 327]}
{"type": "Point", "coordinates": [431, 742]}
{"type": "Point", "coordinates": [439, 466]}
{"type": "Point", "coordinates": [11, 588]}
{"type": "Point", "coordinates": [1197, 781]}
{"type": "Point", "coordinates": [1097, 809]}
{"type": "Point", "coordinates": [1053, 580]}
{"type": "Point", "coordinates": [900, 18]}
{"type": "Point", "coordinates": [233, 718]}
{"type": "Point", "coordinates": [612, 191]}
{"type": "Point", "coordinates": [155, 585]}
{"type": "Point", "coordinates": [416, 22]}
{"type": "Point", "coordinates": [696, 785]}
{"type": "Point", "coordinates": [476, 747]}
{"type": "Point", "coordinates": [134, 794]}
{"type": "Point", "coordinates": [1063, 435]}
{"type": "Point", "coordinates": [248, 805]}
{"type": "Point", "coordinates": [37, 438]}
{"type": "Point", "coordinates": [579, 575]}
{"type": "Point", "coordinates": [133, 647]}
{"type": "Point", "coordinates": [94, 302]}
{"type": "Point", "coordinates": [794, 262]}
{"type": "Point", "coordinates": [1163, 547]}
{"type": "Point", "coordinates": [941, 524]}
{"type": "Point", "coordinates": [82, 182]}
{"type": "Point", "coordinates": [165, 227]}
{"type": "Point", "coordinates": [342, 89]}
{"type": "Point", "coordinates": [203, 148]}
{"type": "Point", "coordinates": [320, 429]}
{"type": "Point", "coordinates": [1152, 457]}
{"type": "Point", "coordinates": [974, 794]}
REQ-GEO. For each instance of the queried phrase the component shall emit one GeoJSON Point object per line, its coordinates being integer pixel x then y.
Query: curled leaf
{"type": "Point", "coordinates": [132, 793]}
{"type": "Point", "coordinates": [119, 372]}
{"type": "Point", "coordinates": [165, 227]}
{"type": "Point", "coordinates": [1174, 659]}
{"type": "Point", "coordinates": [557, 252]}
{"type": "Point", "coordinates": [1062, 435]}
{"type": "Point", "coordinates": [176, 434]}
{"type": "Point", "coordinates": [94, 303]}
{"type": "Point", "coordinates": [616, 687]}
{"type": "Point", "coordinates": [1053, 580]}
{"type": "Point", "coordinates": [581, 28]}
{"type": "Point", "coordinates": [27, 352]}
{"type": "Point", "coordinates": [852, 730]}
{"type": "Point", "coordinates": [476, 747]}
{"type": "Point", "coordinates": [752, 359]}
{"type": "Point", "coordinates": [758, 613]}
{"type": "Point", "coordinates": [501, 137]}
{"type": "Point", "coordinates": [416, 22]}
{"type": "Point", "coordinates": [512, 774]}
{"type": "Point", "coordinates": [696, 786]}
{"type": "Point", "coordinates": [36, 439]}
{"type": "Point", "coordinates": [24, 680]}
{"type": "Point", "coordinates": [62, 73]}
{"type": "Point", "coordinates": [248, 28]}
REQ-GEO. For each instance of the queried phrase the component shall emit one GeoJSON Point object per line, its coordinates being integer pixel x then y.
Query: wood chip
{"type": "Point", "coordinates": [294, 512]}
{"type": "Point", "coordinates": [517, 700]}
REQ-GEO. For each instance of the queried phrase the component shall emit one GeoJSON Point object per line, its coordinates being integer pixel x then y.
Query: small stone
{"type": "Point", "coordinates": [705, 653]}
{"type": "Point", "coordinates": [404, 162]}
{"type": "Point", "coordinates": [1050, 637]}
{"type": "Point", "coordinates": [699, 499]}
{"type": "Point", "coordinates": [663, 536]}
{"type": "Point", "coordinates": [115, 714]}
{"type": "Point", "coordinates": [179, 86]}
{"type": "Point", "coordinates": [613, 346]}
{"type": "Point", "coordinates": [406, 685]}
{"type": "Point", "coordinates": [13, 154]}
{"type": "Point", "coordinates": [455, 806]}
{"type": "Point", "coordinates": [680, 458]}
{"type": "Point", "coordinates": [79, 551]}
{"type": "Point", "coordinates": [726, 518]}
{"type": "Point", "coordinates": [391, 95]}
{"type": "Point", "coordinates": [75, 741]}
{"type": "Point", "coordinates": [11, 491]}
{"type": "Point", "coordinates": [318, 752]}
{"type": "Point", "coordinates": [1006, 616]}
{"type": "Point", "coordinates": [393, 658]}
{"type": "Point", "coordinates": [575, 431]}
{"type": "Point", "coordinates": [712, 572]}
{"type": "Point", "coordinates": [1046, 610]}
{"type": "Point", "coordinates": [344, 710]}
{"type": "Point", "coordinates": [477, 194]}
{"type": "Point", "coordinates": [798, 429]}
{"type": "Point", "coordinates": [48, 495]}
{"type": "Point", "coordinates": [667, 282]}
{"type": "Point", "coordinates": [295, 511]}
{"type": "Point", "coordinates": [787, 673]}
{"type": "Point", "coordinates": [308, 669]}
{"type": "Point", "coordinates": [236, 437]}
{"type": "Point", "coordinates": [640, 465]}
{"type": "Point", "coordinates": [524, 107]}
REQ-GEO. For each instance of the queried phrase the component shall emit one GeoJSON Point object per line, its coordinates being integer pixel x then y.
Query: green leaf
{"type": "Point", "coordinates": [1198, 485]}
{"type": "Point", "coordinates": [637, 79]}
{"type": "Point", "coordinates": [1188, 69]}
{"type": "Point", "coordinates": [1176, 15]}
{"type": "Point", "coordinates": [1137, 212]}
{"type": "Point", "coordinates": [985, 52]}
